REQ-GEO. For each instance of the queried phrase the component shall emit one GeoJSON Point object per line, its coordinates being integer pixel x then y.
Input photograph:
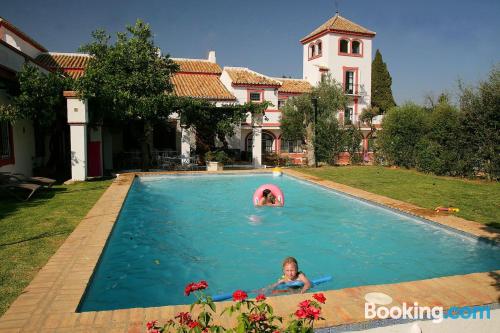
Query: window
{"type": "Point", "coordinates": [313, 51]}
{"type": "Point", "coordinates": [348, 115]}
{"type": "Point", "coordinates": [344, 46]}
{"type": "Point", "coordinates": [320, 46]}
{"type": "Point", "coordinates": [349, 82]}
{"type": "Point", "coordinates": [355, 47]}
{"type": "Point", "coordinates": [5, 152]}
{"type": "Point", "coordinates": [291, 146]}
{"type": "Point", "coordinates": [281, 103]}
{"type": "Point", "coordinates": [255, 97]}
{"type": "Point", "coordinates": [267, 143]}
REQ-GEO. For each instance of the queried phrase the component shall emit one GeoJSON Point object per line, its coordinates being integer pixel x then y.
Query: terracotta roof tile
{"type": "Point", "coordinates": [241, 75]}
{"type": "Point", "coordinates": [201, 86]}
{"type": "Point", "coordinates": [197, 66]}
{"type": "Point", "coordinates": [339, 24]}
{"type": "Point", "coordinates": [294, 86]}
{"type": "Point", "coordinates": [72, 64]}
{"type": "Point", "coordinates": [75, 73]}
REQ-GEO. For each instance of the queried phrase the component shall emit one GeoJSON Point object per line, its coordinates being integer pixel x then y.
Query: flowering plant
{"type": "Point", "coordinates": [253, 315]}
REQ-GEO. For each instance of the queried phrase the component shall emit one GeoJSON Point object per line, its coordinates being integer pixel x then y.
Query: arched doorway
{"type": "Point", "coordinates": [268, 143]}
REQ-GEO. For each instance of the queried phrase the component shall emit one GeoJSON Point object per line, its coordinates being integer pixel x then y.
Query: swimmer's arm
{"type": "Point", "coordinates": [307, 284]}
{"type": "Point", "coordinates": [274, 285]}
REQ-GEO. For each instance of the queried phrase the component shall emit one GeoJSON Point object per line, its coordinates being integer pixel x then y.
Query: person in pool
{"type": "Point", "coordinates": [291, 273]}
{"type": "Point", "coordinates": [268, 198]}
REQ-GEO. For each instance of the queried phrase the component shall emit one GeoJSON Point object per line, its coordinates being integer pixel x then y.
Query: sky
{"type": "Point", "coordinates": [428, 45]}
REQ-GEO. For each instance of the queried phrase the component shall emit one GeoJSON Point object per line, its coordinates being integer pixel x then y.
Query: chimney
{"type": "Point", "coordinates": [211, 57]}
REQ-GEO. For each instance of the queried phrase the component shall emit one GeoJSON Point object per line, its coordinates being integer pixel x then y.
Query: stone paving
{"type": "Point", "coordinates": [50, 301]}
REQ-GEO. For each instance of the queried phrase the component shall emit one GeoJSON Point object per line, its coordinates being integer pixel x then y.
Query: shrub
{"type": "Point", "coordinates": [217, 156]}
{"type": "Point", "coordinates": [403, 127]}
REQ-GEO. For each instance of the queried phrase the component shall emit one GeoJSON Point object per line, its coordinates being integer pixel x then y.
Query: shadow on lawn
{"type": "Point", "coordinates": [40, 236]}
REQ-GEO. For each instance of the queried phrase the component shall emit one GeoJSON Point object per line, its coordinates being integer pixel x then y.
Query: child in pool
{"type": "Point", "coordinates": [268, 198]}
{"type": "Point", "coordinates": [291, 273]}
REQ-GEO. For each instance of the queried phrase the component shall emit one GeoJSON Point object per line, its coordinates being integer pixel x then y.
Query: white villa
{"type": "Point", "coordinates": [339, 47]}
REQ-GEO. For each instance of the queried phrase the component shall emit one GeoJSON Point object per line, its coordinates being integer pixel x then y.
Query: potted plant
{"type": "Point", "coordinates": [216, 159]}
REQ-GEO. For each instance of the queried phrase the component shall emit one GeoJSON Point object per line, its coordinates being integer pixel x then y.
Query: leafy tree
{"type": "Point", "coordinates": [298, 117]}
{"type": "Point", "coordinates": [330, 139]}
{"type": "Point", "coordinates": [479, 138]}
{"type": "Point", "coordinates": [39, 97]}
{"type": "Point", "coordinates": [128, 80]}
{"type": "Point", "coordinates": [381, 85]}
{"type": "Point", "coordinates": [352, 138]}
{"type": "Point", "coordinates": [403, 127]}
{"type": "Point", "coordinates": [437, 151]}
{"type": "Point", "coordinates": [211, 122]}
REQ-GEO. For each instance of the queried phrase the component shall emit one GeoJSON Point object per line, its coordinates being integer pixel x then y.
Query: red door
{"type": "Point", "coordinates": [94, 159]}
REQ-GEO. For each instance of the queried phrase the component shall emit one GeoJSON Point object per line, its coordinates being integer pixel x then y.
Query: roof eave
{"type": "Point", "coordinates": [307, 39]}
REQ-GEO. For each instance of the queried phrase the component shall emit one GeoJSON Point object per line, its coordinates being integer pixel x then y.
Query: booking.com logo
{"type": "Point", "coordinates": [417, 312]}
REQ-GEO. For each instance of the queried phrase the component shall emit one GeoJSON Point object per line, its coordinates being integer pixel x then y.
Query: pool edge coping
{"type": "Point", "coordinates": [50, 301]}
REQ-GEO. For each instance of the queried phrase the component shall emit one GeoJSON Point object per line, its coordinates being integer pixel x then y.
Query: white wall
{"type": "Point", "coordinates": [13, 60]}
{"type": "Point", "coordinates": [24, 148]}
{"type": "Point", "coordinates": [19, 43]}
{"type": "Point", "coordinates": [335, 62]}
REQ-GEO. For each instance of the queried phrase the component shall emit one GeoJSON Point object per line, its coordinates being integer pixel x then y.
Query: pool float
{"type": "Point", "coordinates": [280, 288]}
{"type": "Point", "coordinates": [447, 209]}
{"type": "Point", "coordinates": [277, 172]}
{"type": "Point", "coordinates": [275, 190]}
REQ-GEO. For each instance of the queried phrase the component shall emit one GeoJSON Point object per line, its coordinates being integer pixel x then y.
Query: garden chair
{"type": "Point", "coordinates": [42, 181]}
{"type": "Point", "coordinates": [10, 185]}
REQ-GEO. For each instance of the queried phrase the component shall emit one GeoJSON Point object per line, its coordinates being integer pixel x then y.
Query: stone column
{"type": "Point", "coordinates": [77, 119]}
{"type": "Point", "coordinates": [257, 142]}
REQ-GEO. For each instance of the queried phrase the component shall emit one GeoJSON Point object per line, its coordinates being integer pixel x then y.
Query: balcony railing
{"type": "Point", "coordinates": [355, 90]}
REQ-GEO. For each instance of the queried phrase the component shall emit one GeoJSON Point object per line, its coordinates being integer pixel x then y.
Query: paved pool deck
{"type": "Point", "coordinates": [50, 301]}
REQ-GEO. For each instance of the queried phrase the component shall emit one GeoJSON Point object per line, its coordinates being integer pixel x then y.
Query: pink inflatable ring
{"type": "Point", "coordinates": [275, 190]}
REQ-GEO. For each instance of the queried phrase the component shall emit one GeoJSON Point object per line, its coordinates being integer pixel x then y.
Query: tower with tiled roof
{"type": "Point", "coordinates": [343, 49]}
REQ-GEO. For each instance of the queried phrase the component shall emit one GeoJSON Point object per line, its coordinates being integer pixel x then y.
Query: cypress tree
{"type": "Point", "coordinates": [381, 85]}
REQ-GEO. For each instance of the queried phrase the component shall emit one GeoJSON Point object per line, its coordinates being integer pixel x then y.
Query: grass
{"type": "Point", "coordinates": [32, 231]}
{"type": "Point", "coordinates": [478, 200]}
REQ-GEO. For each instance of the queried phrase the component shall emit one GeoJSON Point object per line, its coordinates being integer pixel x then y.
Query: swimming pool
{"type": "Point", "coordinates": [176, 229]}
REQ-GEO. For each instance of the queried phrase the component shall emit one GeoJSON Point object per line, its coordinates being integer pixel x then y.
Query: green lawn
{"type": "Point", "coordinates": [32, 231]}
{"type": "Point", "coordinates": [478, 200]}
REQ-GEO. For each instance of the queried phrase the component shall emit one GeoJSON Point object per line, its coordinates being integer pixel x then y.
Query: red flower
{"type": "Point", "coordinates": [193, 324]}
{"type": "Point", "coordinates": [184, 318]}
{"type": "Point", "coordinates": [260, 297]}
{"type": "Point", "coordinates": [320, 297]}
{"type": "Point", "coordinates": [188, 289]}
{"type": "Point", "coordinates": [307, 310]}
{"type": "Point", "coordinates": [195, 286]}
{"type": "Point", "coordinates": [239, 295]}
{"type": "Point", "coordinates": [301, 313]}
{"type": "Point", "coordinates": [305, 304]}
{"type": "Point", "coordinates": [312, 312]}
{"type": "Point", "coordinates": [151, 324]}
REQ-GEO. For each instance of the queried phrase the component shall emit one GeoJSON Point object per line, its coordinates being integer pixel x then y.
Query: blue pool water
{"type": "Point", "coordinates": [177, 229]}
